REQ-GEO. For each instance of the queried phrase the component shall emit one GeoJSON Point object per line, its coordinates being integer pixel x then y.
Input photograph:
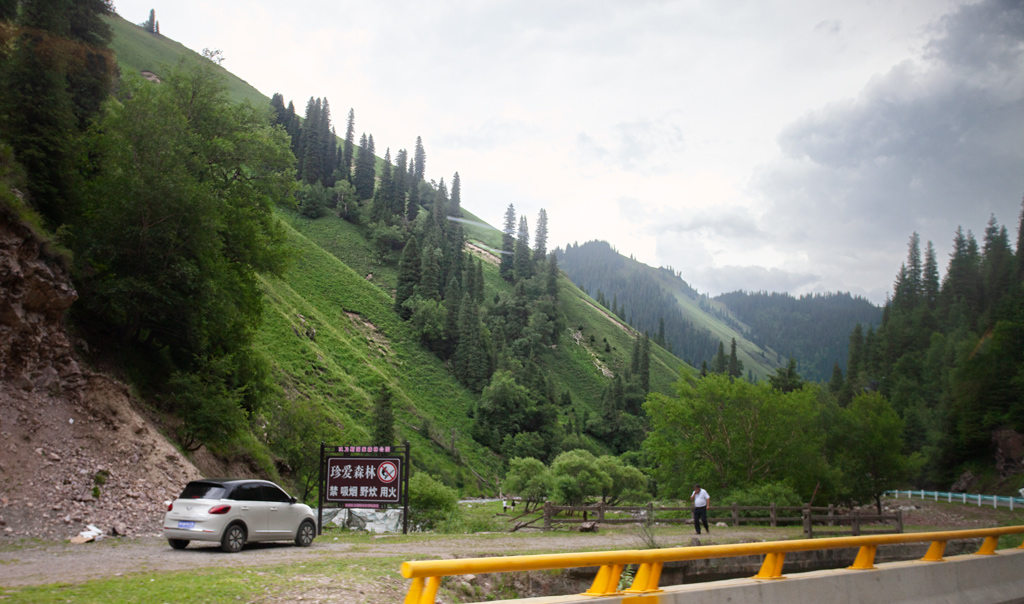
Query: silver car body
{"type": "Point", "coordinates": [265, 512]}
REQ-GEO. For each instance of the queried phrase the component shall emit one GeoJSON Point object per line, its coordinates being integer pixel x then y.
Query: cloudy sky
{"type": "Point", "coordinates": [779, 145]}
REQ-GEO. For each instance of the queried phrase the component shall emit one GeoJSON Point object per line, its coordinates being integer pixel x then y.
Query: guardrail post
{"type": "Point", "coordinates": [423, 590]}
{"type": "Point", "coordinates": [774, 516]}
{"type": "Point", "coordinates": [647, 578]}
{"type": "Point", "coordinates": [935, 551]}
{"type": "Point", "coordinates": [771, 568]}
{"type": "Point", "coordinates": [988, 547]}
{"type": "Point", "coordinates": [606, 582]}
{"type": "Point", "coordinates": [865, 558]}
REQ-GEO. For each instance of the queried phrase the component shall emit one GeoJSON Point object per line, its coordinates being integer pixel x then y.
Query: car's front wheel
{"type": "Point", "coordinates": [178, 543]}
{"type": "Point", "coordinates": [233, 539]}
{"type": "Point", "coordinates": [306, 533]}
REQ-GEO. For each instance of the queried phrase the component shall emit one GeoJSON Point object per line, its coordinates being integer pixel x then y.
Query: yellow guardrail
{"type": "Point", "coordinates": [426, 574]}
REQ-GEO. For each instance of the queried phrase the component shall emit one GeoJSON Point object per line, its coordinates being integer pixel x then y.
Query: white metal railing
{"type": "Point", "coordinates": [995, 501]}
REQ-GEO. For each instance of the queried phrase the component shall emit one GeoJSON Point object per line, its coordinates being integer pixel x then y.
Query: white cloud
{"type": "Point", "coordinates": [794, 143]}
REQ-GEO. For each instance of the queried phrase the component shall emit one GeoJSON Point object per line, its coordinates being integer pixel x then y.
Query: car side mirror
{"type": "Point", "coordinates": [292, 500]}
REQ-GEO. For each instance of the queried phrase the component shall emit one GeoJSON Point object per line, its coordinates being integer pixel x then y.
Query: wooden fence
{"type": "Point", "coordinates": [772, 515]}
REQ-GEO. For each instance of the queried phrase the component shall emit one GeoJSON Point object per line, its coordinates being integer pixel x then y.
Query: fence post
{"type": "Point", "coordinates": [936, 495]}
{"type": "Point", "coordinates": [735, 515]}
{"type": "Point", "coordinates": [899, 521]}
{"type": "Point", "coordinates": [831, 514]}
{"type": "Point", "coordinates": [600, 512]}
{"type": "Point", "coordinates": [547, 515]}
{"type": "Point", "coordinates": [949, 498]}
{"type": "Point", "coordinates": [808, 531]}
{"type": "Point", "coordinates": [965, 496]}
{"type": "Point", "coordinates": [774, 516]}
{"type": "Point", "coordinates": [995, 501]}
{"type": "Point", "coordinates": [979, 500]}
{"type": "Point", "coordinates": [856, 523]}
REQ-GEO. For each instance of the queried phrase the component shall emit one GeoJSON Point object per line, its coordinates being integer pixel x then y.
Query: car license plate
{"type": "Point", "coordinates": [182, 524]}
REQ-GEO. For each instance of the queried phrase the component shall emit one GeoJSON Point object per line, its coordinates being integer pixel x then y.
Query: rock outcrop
{"type": "Point", "coordinates": [74, 450]}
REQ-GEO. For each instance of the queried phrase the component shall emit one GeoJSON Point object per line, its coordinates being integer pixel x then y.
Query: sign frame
{"type": "Point", "coordinates": [373, 463]}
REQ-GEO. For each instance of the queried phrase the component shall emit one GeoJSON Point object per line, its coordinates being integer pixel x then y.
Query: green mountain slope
{"type": "Point", "coordinates": [334, 342]}
{"type": "Point", "coordinates": [138, 50]}
{"type": "Point", "coordinates": [647, 296]}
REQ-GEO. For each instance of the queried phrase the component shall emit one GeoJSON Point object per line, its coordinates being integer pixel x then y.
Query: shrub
{"type": "Point", "coordinates": [779, 493]}
{"type": "Point", "coordinates": [431, 503]}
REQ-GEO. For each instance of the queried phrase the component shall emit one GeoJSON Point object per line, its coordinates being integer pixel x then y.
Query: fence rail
{"type": "Point", "coordinates": [775, 515]}
{"type": "Point", "coordinates": [995, 501]}
{"type": "Point", "coordinates": [426, 574]}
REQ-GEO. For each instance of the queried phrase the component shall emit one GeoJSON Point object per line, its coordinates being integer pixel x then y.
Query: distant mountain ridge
{"type": "Point", "coordinates": [814, 328]}
{"type": "Point", "coordinates": [768, 328]}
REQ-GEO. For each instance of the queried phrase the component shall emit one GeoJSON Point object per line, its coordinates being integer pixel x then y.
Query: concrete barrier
{"type": "Point", "coordinates": [971, 578]}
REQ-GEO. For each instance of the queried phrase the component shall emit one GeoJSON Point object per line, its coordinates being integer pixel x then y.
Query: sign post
{"type": "Point", "coordinates": [365, 477]}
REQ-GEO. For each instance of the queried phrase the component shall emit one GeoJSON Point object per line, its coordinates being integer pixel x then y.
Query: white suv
{"type": "Point", "coordinates": [235, 512]}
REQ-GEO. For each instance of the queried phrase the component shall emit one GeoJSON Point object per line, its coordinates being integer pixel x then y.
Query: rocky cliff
{"type": "Point", "coordinates": [74, 449]}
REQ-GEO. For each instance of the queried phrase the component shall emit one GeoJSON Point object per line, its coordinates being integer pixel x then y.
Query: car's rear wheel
{"type": "Point", "coordinates": [306, 533]}
{"type": "Point", "coordinates": [178, 543]}
{"type": "Point", "coordinates": [233, 539]}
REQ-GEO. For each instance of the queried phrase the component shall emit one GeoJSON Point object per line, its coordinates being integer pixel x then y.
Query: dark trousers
{"type": "Point", "coordinates": [700, 514]}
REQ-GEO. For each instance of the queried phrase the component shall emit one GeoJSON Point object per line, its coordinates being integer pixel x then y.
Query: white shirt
{"type": "Point", "coordinates": [701, 499]}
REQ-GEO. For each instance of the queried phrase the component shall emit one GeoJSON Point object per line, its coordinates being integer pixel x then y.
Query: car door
{"type": "Point", "coordinates": [254, 509]}
{"type": "Point", "coordinates": [283, 517]}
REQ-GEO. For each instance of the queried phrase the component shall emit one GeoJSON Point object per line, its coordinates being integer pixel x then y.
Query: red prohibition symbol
{"type": "Point", "coordinates": [387, 471]}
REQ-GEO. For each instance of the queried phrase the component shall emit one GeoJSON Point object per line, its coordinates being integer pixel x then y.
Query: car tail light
{"type": "Point", "coordinates": [220, 509]}
{"type": "Point", "coordinates": [170, 506]}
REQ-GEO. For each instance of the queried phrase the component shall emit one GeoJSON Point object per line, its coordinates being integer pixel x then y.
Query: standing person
{"type": "Point", "coordinates": [701, 503]}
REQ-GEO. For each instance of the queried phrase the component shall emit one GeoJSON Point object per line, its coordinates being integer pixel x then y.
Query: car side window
{"type": "Point", "coordinates": [247, 492]}
{"type": "Point", "coordinates": [273, 493]}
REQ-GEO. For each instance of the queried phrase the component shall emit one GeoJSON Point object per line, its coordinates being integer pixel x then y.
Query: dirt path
{"type": "Point", "coordinates": [35, 563]}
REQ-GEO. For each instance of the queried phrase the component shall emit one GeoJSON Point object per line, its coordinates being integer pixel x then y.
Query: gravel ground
{"type": "Point", "coordinates": [38, 562]}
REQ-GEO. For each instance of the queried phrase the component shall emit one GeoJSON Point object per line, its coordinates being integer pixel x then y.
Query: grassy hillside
{"type": "Point", "coordinates": [760, 361]}
{"type": "Point", "coordinates": [334, 342]}
{"type": "Point", "coordinates": [138, 50]}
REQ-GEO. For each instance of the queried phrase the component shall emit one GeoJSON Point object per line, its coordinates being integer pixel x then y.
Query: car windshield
{"type": "Point", "coordinates": [202, 490]}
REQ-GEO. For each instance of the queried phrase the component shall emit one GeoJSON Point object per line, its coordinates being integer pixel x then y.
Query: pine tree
{"type": "Point", "coordinates": [408, 275]}
{"type": "Point", "coordinates": [540, 238]}
{"type": "Point", "coordinates": [365, 172]}
{"type": "Point", "coordinates": [835, 385]}
{"type": "Point", "coordinates": [381, 208]}
{"type": "Point", "coordinates": [419, 161]}
{"type": "Point", "coordinates": [150, 24]}
{"type": "Point", "coordinates": [430, 274]}
{"type": "Point", "coordinates": [478, 292]}
{"type": "Point", "coordinates": [470, 363]}
{"type": "Point", "coordinates": [412, 209]}
{"type": "Point", "coordinates": [400, 183]}
{"type": "Point", "coordinates": [455, 206]}
{"type": "Point", "coordinates": [349, 150]}
{"type": "Point", "coordinates": [660, 338]}
{"type": "Point", "coordinates": [382, 424]}
{"type": "Point", "coordinates": [521, 257]}
{"type": "Point", "coordinates": [721, 362]}
{"type": "Point", "coordinates": [508, 242]}
{"type": "Point", "coordinates": [645, 365]}
{"type": "Point", "coordinates": [930, 277]}
{"type": "Point", "coordinates": [735, 365]}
